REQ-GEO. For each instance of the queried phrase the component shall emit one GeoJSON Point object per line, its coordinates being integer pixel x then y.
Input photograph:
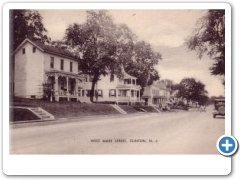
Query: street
{"type": "Point", "coordinates": [157, 133]}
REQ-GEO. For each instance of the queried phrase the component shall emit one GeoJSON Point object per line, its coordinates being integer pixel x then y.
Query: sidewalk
{"type": "Point", "coordinates": [22, 124]}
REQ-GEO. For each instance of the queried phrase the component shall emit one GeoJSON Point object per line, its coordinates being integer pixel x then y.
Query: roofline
{"type": "Point", "coordinates": [49, 52]}
{"type": "Point", "coordinates": [24, 43]}
{"type": "Point", "coordinates": [132, 77]}
{"type": "Point", "coordinates": [222, 99]}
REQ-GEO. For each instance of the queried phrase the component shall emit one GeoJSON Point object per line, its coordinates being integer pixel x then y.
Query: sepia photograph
{"type": "Point", "coordinates": [116, 81]}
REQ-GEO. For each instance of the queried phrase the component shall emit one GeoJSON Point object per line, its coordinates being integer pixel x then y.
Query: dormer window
{"type": "Point", "coordinates": [23, 50]}
{"type": "Point", "coordinates": [34, 49]}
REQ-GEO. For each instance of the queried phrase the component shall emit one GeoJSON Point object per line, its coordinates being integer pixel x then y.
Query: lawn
{"type": "Point", "coordinates": [146, 108]}
{"type": "Point", "coordinates": [128, 109]}
{"type": "Point", "coordinates": [19, 114]}
{"type": "Point", "coordinates": [67, 109]}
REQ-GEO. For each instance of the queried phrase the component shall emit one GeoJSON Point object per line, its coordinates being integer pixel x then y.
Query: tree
{"type": "Point", "coordinates": [26, 24]}
{"type": "Point", "coordinates": [142, 65]}
{"type": "Point", "coordinates": [193, 90]}
{"type": "Point", "coordinates": [101, 46]}
{"type": "Point", "coordinates": [209, 38]}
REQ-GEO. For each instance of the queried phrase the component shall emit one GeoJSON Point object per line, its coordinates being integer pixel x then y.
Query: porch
{"type": "Point", "coordinates": [130, 95]}
{"type": "Point", "coordinates": [64, 85]}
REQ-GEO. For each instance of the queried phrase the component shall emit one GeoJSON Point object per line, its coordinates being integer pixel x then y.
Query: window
{"type": "Point", "coordinates": [127, 81]}
{"type": "Point", "coordinates": [62, 64]}
{"type": "Point", "coordinates": [112, 92]}
{"type": "Point", "coordinates": [23, 51]}
{"type": "Point", "coordinates": [132, 93]}
{"type": "Point", "coordinates": [100, 93]}
{"type": "Point", "coordinates": [34, 49]}
{"type": "Point", "coordinates": [88, 93]}
{"type": "Point", "coordinates": [133, 81]}
{"type": "Point", "coordinates": [52, 62]}
{"type": "Point", "coordinates": [33, 97]}
{"type": "Point", "coordinates": [79, 91]}
{"type": "Point", "coordinates": [71, 64]}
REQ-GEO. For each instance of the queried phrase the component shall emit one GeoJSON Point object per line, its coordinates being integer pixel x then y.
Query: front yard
{"type": "Point", "coordinates": [67, 109]}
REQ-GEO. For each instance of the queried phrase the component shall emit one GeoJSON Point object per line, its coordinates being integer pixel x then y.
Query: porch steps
{"type": "Point", "coordinates": [143, 110]}
{"type": "Point", "coordinates": [118, 108]}
{"type": "Point", "coordinates": [156, 108]}
{"type": "Point", "coordinates": [41, 113]}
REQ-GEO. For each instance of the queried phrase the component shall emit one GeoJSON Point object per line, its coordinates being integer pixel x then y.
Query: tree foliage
{"type": "Point", "coordinates": [142, 65]}
{"type": "Point", "coordinates": [193, 90]}
{"type": "Point", "coordinates": [26, 24]}
{"type": "Point", "coordinates": [104, 48]}
{"type": "Point", "coordinates": [209, 38]}
{"type": "Point", "coordinates": [100, 44]}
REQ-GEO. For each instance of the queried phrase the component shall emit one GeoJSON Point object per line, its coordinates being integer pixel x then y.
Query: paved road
{"type": "Point", "coordinates": [165, 133]}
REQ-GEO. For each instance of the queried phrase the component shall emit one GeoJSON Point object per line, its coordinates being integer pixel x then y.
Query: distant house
{"type": "Point", "coordinates": [36, 64]}
{"type": "Point", "coordinates": [156, 94]}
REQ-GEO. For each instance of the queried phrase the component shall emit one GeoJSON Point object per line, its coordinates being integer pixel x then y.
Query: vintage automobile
{"type": "Point", "coordinates": [218, 107]}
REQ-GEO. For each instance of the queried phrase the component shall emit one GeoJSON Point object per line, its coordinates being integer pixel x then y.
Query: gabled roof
{"type": "Point", "coordinates": [127, 76]}
{"type": "Point", "coordinates": [160, 85]}
{"type": "Point", "coordinates": [48, 49]}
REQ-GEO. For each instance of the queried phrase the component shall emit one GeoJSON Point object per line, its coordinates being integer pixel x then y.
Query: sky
{"type": "Point", "coordinates": [165, 30]}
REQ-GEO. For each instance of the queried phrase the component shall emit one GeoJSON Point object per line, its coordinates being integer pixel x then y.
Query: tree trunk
{"type": "Point", "coordinates": [94, 81]}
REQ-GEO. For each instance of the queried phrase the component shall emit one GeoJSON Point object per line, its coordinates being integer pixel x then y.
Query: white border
{"type": "Point", "coordinates": [114, 164]}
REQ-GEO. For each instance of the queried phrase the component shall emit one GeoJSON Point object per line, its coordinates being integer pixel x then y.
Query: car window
{"type": "Point", "coordinates": [220, 103]}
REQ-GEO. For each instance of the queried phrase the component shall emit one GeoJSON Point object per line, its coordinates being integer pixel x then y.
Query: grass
{"type": "Point", "coordinates": [128, 109]}
{"type": "Point", "coordinates": [19, 114]}
{"type": "Point", "coordinates": [146, 108]}
{"type": "Point", "coordinates": [67, 109]}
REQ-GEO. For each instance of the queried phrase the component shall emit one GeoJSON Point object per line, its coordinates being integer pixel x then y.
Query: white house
{"type": "Point", "coordinates": [36, 63]}
{"type": "Point", "coordinates": [156, 94]}
{"type": "Point", "coordinates": [119, 91]}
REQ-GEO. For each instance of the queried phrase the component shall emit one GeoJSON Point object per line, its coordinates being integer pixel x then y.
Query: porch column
{"type": "Point", "coordinates": [76, 88]}
{"type": "Point", "coordinates": [139, 95]}
{"type": "Point", "coordinates": [67, 78]}
{"type": "Point", "coordinates": [116, 96]}
{"type": "Point", "coordinates": [56, 87]}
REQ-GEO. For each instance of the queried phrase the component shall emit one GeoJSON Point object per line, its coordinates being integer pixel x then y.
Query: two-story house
{"type": "Point", "coordinates": [120, 90]}
{"type": "Point", "coordinates": [156, 94]}
{"type": "Point", "coordinates": [36, 63]}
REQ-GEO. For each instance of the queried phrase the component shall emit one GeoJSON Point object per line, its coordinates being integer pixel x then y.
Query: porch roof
{"type": "Point", "coordinates": [146, 97]}
{"type": "Point", "coordinates": [66, 74]}
{"type": "Point", "coordinates": [156, 96]}
{"type": "Point", "coordinates": [128, 87]}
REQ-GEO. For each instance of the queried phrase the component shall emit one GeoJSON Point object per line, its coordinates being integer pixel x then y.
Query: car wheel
{"type": "Point", "coordinates": [214, 116]}
{"type": "Point", "coordinates": [221, 110]}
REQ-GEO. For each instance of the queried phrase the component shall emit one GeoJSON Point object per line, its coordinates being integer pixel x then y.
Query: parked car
{"type": "Point", "coordinates": [219, 107]}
